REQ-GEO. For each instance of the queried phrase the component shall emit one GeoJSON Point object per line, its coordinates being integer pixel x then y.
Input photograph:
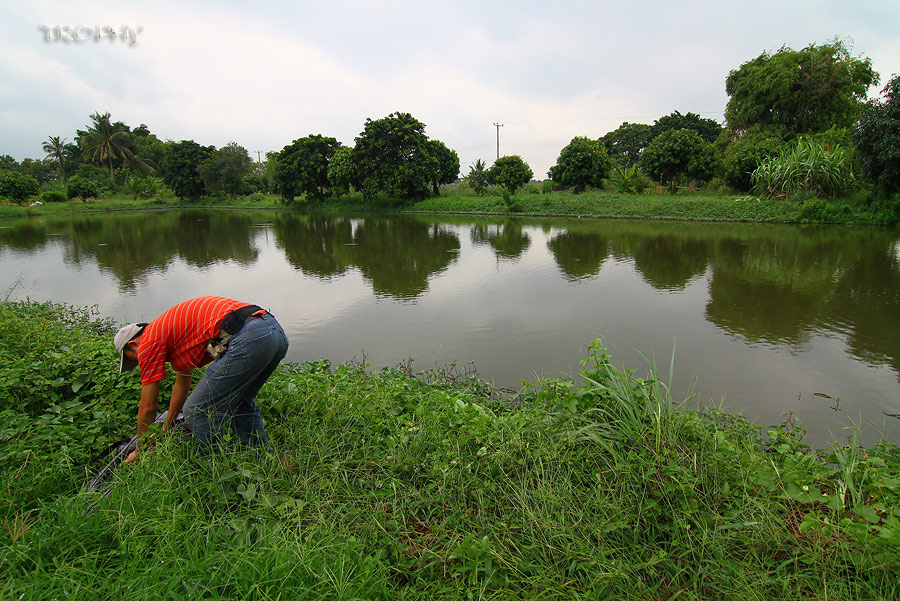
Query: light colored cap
{"type": "Point", "coordinates": [123, 337]}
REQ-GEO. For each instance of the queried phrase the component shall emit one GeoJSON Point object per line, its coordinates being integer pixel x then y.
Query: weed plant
{"type": "Point", "coordinates": [387, 485]}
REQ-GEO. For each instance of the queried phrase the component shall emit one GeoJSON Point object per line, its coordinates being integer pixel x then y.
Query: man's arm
{"type": "Point", "coordinates": [146, 413]}
{"type": "Point", "coordinates": [180, 392]}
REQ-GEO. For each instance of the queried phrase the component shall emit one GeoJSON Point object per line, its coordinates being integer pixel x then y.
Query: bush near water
{"type": "Point", "coordinates": [430, 486]}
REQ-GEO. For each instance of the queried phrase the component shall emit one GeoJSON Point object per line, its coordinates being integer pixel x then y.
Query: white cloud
{"type": "Point", "coordinates": [265, 74]}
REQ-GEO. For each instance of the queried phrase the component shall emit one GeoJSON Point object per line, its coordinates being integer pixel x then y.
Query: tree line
{"type": "Point", "coordinates": [798, 123]}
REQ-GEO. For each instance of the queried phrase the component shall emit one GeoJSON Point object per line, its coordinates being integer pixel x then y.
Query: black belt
{"type": "Point", "coordinates": [235, 320]}
{"type": "Point", "coordinates": [230, 325]}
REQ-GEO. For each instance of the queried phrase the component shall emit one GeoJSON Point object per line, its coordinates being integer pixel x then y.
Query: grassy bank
{"type": "Point", "coordinates": [388, 485]}
{"type": "Point", "coordinates": [689, 206]}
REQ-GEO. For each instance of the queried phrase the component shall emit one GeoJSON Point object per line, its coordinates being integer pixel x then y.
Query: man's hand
{"type": "Point", "coordinates": [148, 443]}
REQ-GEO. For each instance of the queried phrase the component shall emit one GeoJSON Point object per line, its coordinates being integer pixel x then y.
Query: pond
{"type": "Point", "coordinates": [767, 320]}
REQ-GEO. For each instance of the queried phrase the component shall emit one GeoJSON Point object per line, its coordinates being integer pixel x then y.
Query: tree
{"type": "Point", "coordinates": [799, 91]}
{"type": "Point", "coordinates": [106, 143]}
{"type": "Point", "coordinates": [742, 156]}
{"type": "Point", "coordinates": [511, 172]}
{"type": "Point", "coordinates": [56, 150]}
{"type": "Point", "coordinates": [626, 143]}
{"type": "Point", "coordinates": [224, 170]}
{"type": "Point", "coordinates": [391, 156]}
{"type": "Point", "coordinates": [303, 167]}
{"type": "Point", "coordinates": [81, 187]}
{"type": "Point", "coordinates": [180, 168]}
{"type": "Point", "coordinates": [445, 165]}
{"type": "Point", "coordinates": [478, 177]}
{"type": "Point", "coordinates": [151, 149]}
{"type": "Point", "coordinates": [676, 154]}
{"type": "Point", "coordinates": [709, 129]}
{"type": "Point", "coordinates": [340, 170]}
{"type": "Point", "coordinates": [17, 186]}
{"type": "Point", "coordinates": [42, 170]}
{"type": "Point", "coordinates": [582, 163]}
{"type": "Point", "coordinates": [877, 138]}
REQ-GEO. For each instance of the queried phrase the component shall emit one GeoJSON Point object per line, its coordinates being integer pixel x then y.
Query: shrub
{"type": "Point", "coordinates": [808, 168]}
{"type": "Point", "coordinates": [511, 172]}
{"type": "Point", "coordinates": [17, 186]}
{"type": "Point", "coordinates": [81, 187]}
{"type": "Point", "coordinates": [53, 196]}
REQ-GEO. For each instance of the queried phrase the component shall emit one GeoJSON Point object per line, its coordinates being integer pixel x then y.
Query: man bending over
{"type": "Point", "coordinates": [244, 345]}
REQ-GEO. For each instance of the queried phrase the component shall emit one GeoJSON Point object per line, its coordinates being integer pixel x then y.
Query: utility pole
{"type": "Point", "coordinates": [498, 126]}
{"type": "Point", "coordinates": [258, 159]}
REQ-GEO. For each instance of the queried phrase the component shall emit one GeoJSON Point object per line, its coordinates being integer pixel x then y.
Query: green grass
{"type": "Point", "coordinates": [388, 485]}
{"type": "Point", "coordinates": [688, 206]}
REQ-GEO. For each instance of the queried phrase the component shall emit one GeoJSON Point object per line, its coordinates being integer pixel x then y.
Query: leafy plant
{"type": "Point", "coordinates": [808, 168]}
{"type": "Point", "coordinates": [510, 172]}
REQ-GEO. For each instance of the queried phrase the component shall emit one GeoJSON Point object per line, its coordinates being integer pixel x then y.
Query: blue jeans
{"type": "Point", "coordinates": [227, 390]}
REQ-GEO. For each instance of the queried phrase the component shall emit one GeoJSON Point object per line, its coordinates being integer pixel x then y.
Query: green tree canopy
{"type": "Point", "coordinates": [877, 138]}
{"type": "Point", "coordinates": [584, 162]}
{"type": "Point", "coordinates": [743, 154]}
{"type": "Point", "coordinates": [224, 170]}
{"type": "Point", "coordinates": [799, 91]}
{"type": "Point", "coordinates": [106, 143]}
{"type": "Point", "coordinates": [511, 172]}
{"type": "Point", "coordinates": [180, 168]}
{"type": "Point", "coordinates": [478, 177]}
{"type": "Point", "coordinates": [55, 147]}
{"type": "Point", "coordinates": [17, 186]}
{"type": "Point", "coordinates": [677, 154]}
{"type": "Point", "coordinates": [709, 129]}
{"type": "Point", "coordinates": [391, 156]}
{"type": "Point", "coordinates": [445, 165]}
{"type": "Point", "coordinates": [626, 143]}
{"type": "Point", "coordinates": [340, 170]}
{"type": "Point", "coordinates": [303, 167]}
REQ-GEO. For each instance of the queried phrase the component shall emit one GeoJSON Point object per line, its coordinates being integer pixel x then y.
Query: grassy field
{"type": "Point", "coordinates": [690, 206]}
{"type": "Point", "coordinates": [389, 485]}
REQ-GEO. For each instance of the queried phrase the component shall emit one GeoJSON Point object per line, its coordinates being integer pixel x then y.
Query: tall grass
{"type": "Point", "coordinates": [809, 168]}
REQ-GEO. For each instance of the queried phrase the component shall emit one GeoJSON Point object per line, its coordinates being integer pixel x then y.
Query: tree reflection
{"type": "Point", "coordinates": [507, 239]}
{"type": "Point", "coordinates": [131, 245]}
{"type": "Point", "coordinates": [399, 255]}
{"type": "Point", "coordinates": [24, 236]}
{"type": "Point", "coordinates": [777, 288]}
{"type": "Point", "coordinates": [670, 262]}
{"type": "Point", "coordinates": [316, 245]}
{"type": "Point", "coordinates": [396, 255]}
{"type": "Point", "coordinates": [579, 254]}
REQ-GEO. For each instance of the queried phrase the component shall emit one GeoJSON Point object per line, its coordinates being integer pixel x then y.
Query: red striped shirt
{"type": "Point", "coordinates": [180, 335]}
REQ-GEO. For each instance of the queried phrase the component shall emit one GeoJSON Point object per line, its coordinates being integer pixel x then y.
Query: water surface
{"type": "Point", "coordinates": [764, 319]}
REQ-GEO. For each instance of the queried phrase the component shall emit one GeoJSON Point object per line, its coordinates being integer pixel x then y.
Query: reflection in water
{"type": "Point", "coordinates": [579, 254]}
{"type": "Point", "coordinates": [316, 244]}
{"type": "Point", "coordinates": [396, 255]}
{"type": "Point", "coordinates": [667, 262]}
{"type": "Point", "coordinates": [507, 239]}
{"type": "Point", "coordinates": [131, 245]}
{"type": "Point", "coordinates": [729, 286]}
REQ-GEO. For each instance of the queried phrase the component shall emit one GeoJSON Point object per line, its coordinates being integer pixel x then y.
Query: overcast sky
{"type": "Point", "coordinates": [265, 73]}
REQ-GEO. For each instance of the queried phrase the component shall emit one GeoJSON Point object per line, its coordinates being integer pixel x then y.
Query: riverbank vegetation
{"type": "Point", "coordinates": [825, 161]}
{"type": "Point", "coordinates": [531, 200]}
{"type": "Point", "coordinates": [391, 484]}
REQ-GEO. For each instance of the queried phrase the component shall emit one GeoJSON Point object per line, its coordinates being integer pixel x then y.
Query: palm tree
{"type": "Point", "coordinates": [56, 150]}
{"type": "Point", "coordinates": [136, 164]}
{"type": "Point", "coordinates": [106, 142]}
